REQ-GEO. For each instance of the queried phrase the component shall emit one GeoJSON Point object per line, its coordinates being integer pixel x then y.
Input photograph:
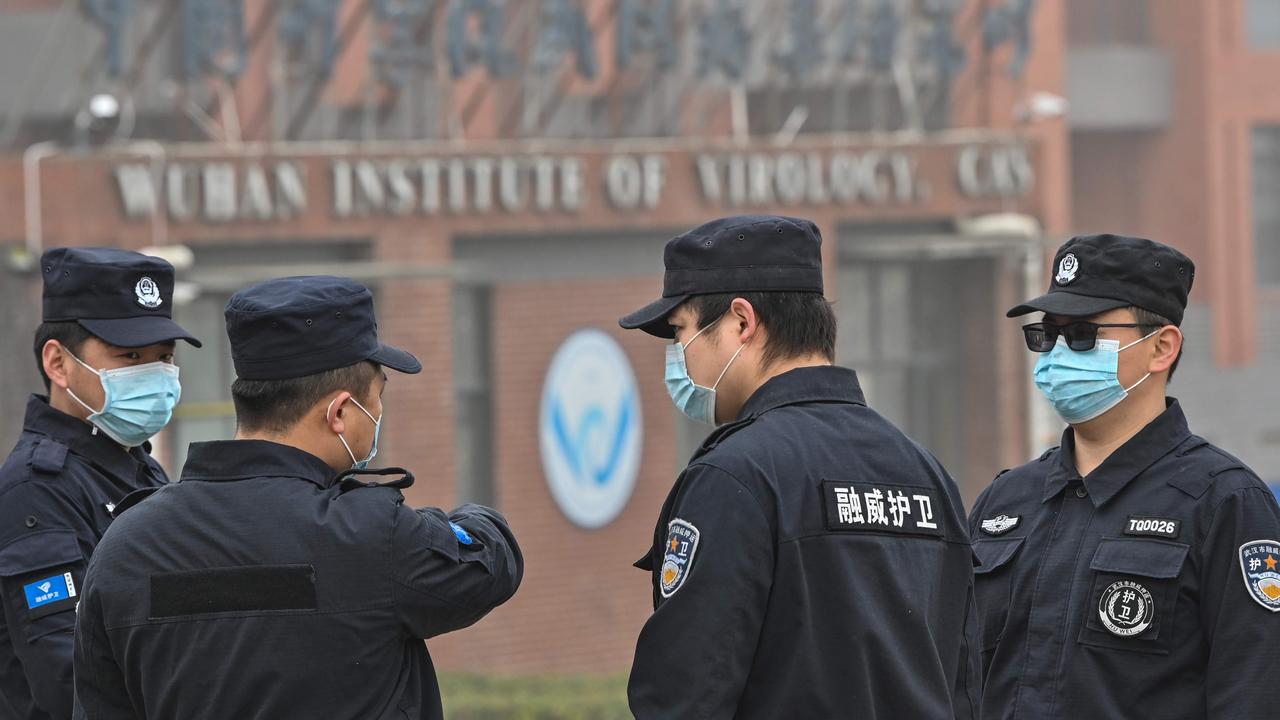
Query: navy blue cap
{"type": "Point", "coordinates": [743, 253]}
{"type": "Point", "coordinates": [1095, 273]}
{"type": "Point", "coordinates": [123, 297]}
{"type": "Point", "coordinates": [298, 326]}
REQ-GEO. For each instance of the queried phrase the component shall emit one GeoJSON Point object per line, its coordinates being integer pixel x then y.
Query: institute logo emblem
{"type": "Point", "coordinates": [148, 293]}
{"type": "Point", "coordinates": [1068, 266]}
{"type": "Point", "coordinates": [1260, 565]}
{"type": "Point", "coordinates": [682, 543]}
{"type": "Point", "coordinates": [1126, 608]}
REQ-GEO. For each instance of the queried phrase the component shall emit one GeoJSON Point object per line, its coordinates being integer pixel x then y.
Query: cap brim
{"type": "Point", "coordinates": [396, 359]}
{"type": "Point", "coordinates": [135, 332]}
{"type": "Point", "coordinates": [652, 318]}
{"type": "Point", "coordinates": [1068, 304]}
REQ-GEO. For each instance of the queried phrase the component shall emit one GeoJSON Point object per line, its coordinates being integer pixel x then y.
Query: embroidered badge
{"type": "Point", "coordinates": [1153, 526]}
{"type": "Point", "coordinates": [463, 536]}
{"type": "Point", "coordinates": [1259, 562]}
{"type": "Point", "coordinates": [1000, 524]}
{"type": "Point", "coordinates": [682, 543]}
{"type": "Point", "coordinates": [1068, 266]}
{"type": "Point", "coordinates": [881, 508]}
{"type": "Point", "coordinates": [1126, 608]}
{"type": "Point", "coordinates": [148, 293]}
{"type": "Point", "coordinates": [49, 594]}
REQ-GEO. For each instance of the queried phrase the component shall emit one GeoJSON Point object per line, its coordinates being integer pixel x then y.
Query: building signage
{"type": "Point", "coordinates": [258, 190]}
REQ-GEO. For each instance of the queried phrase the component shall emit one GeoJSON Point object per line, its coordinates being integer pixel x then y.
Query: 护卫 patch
{"type": "Point", "coordinates": [677, 560]}
{"type": "Point", "coordinates": [51, 594]}
{"type": "Point", "coordinates": [1126, 608]}
{"type": "Point", "coordinates": [1259, 563]}
{"type": "Point", "coordinates": [879, 507]}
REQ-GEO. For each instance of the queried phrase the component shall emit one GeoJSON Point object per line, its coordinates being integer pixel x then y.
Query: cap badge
{"type": "Point", "coordinates": [1068, 266]}
{"type": "Point", "coordinates": [148, 293]}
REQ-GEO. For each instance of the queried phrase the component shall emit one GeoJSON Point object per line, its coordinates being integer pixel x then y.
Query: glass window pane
{"type": "Point", "coordinates": [1266, 203]}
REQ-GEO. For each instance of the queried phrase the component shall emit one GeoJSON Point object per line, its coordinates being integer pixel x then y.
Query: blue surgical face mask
{"type": "Point", "coordinates": [137, 403]}
{"type": "Point", "coordinates": [694, 400]}
{"type": "Point", "coordinates": [1084, 385]}
{"type": "Point", "coordinates": [377, 433]}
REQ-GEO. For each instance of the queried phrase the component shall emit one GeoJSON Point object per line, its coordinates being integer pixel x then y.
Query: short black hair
{"type": "Point", "coordinates": [69, 333]}
{"type": "Point", "coordinates": [277, 405]}
{"type": "Point", "coordinates": [1150, 320]}
{"type": "Point", "coordinates": [799, 323]}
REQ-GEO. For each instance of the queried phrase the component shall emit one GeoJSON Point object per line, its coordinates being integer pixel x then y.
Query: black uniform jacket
{"type": "Point", "coordinates": [811, 562]}
{"type": "Point", "coordinates": [258, 587]}
{"type": "Point", "coordinates": [57, 489]}
{"type": "Point", "coordinates": [1148, 589]}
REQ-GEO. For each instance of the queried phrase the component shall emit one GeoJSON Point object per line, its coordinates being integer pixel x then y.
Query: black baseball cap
{"type": "Point", "coordinates": [123, 297]}
{"type": "Point", "coordinates": [1095, 273]}
{"type": "Point", "coordinates": [298, 326]}
{"type": "Point", "coordinates": [743, 253]}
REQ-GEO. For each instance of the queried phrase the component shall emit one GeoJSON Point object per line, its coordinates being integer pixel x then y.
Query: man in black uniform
{"type": "Point", "coordinates": [105, 351]}
{"type": "Point", "coordinates": [1131, 572]}
{"type": "Point", "coordinates": [812, 561]}
{"type": "Point", "coordinates": [275, 580]}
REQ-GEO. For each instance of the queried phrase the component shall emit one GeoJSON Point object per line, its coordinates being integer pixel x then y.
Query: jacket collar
{"type": "Point", "coordinates": [821, 383]}
{"type": "Point", "coordinates": [223, 460]}
{"type": "Point", "coordinates": [1159, 438]}
{"type": "Point", "coordinates": [84, 439]}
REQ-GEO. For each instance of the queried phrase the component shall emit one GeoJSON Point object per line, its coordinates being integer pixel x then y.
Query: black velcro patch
{"type": "Point", "coordinates": [235, 589]}
{"type": "Point", "coordinates": [878, 507]}
{"type": "Point", "coordinates": [1153, 526]}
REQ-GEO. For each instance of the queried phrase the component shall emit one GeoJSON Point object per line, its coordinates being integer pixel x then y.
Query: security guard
{"type": "Point", "coordinates": [105, 351]}
{"type": "Point", "coordinates": [276, 579]}
{"type": "Point", "coordinates": [811, 561]}
{"type": "Point", "coordinates": [1132, 571]}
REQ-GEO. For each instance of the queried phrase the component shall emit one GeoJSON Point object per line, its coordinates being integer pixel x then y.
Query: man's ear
{"type": "Point", "coordinates": [1167, 345]}
{"type": "Point", "coordinates": [56, 362]}
{"type": "Point", "coordinates": [335, 412]}
{"type": "Point", "coordinates": [745, 321]}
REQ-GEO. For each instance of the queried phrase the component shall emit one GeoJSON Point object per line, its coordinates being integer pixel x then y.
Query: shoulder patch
{"type": "Point", "coordinates": [677, 561]}
{"type": "Point", "coordinates": [1260, 566]}
{"type": "Point", "coordinates": [50, 594]}
{"type": "Point", "coordinates": [48, 456]}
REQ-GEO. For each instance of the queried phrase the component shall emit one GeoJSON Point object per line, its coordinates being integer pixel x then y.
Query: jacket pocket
{"type": "Point", "coordinates": [993, 586]}
{"type": "Point", "coordinates": [1133, 596]}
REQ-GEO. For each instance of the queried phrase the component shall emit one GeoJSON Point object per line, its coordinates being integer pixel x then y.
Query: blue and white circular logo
{"type": "Point", "coordinates": [590, 428]}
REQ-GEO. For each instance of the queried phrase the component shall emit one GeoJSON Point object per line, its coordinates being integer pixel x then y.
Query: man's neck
{"type": "Point", "coordinates": [1098, 438]}
{"type": "Point", "coordinates": [300, 441]}
{"type": "Point", "coordinates": [781, 368]}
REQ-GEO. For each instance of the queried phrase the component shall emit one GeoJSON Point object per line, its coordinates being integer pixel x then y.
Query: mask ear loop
{"type": "Point", "coordinates": [75, 397]}
{"type": "Point", "coordinates": [1126, 347]}
{"type": "Point", "coordinates": [340, 438]}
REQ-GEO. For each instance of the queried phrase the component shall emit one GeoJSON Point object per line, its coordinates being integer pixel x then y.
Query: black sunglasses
{"type": "Point", "coordinates": [1081, 336]}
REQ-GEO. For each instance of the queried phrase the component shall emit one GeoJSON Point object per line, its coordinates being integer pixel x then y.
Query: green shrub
{"type": "Point", "coordinates": [541, 697]}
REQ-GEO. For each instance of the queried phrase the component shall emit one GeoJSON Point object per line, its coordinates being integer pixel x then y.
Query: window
{"type": "Point", "coordinates": [1262, 24]}
{"type": "Point", "coordinates": [1266, 208]}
